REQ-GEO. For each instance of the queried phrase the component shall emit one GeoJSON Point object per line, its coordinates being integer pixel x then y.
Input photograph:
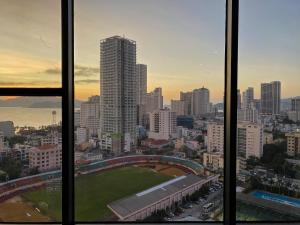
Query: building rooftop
{"type": "Point", "coordinates": [128, 205]}
{"type": "Point", "coordinates": [44, 147]}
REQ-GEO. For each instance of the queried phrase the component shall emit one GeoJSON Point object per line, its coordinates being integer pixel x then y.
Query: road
{"type": "Point", "coordinates": [197, 210]}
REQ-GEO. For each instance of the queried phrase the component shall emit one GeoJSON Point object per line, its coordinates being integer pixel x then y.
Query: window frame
{"type": "Point", "coordinates": [66, 92]}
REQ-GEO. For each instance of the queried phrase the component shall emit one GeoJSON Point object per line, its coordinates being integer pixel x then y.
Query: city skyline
{"type": "Point", "coordinates": [198, 57]}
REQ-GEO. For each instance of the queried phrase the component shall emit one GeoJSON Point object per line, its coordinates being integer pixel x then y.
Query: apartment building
{"type": "Point", "coordinates": [293, 143]}
{"type": "Point", "coordinates": [118, 90]}
{"type": "Point", "coordinates": [45, 157]}
{"type": "Point", "coordinates": [162, 124]}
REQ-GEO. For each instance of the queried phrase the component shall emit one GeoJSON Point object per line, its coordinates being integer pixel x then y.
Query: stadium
{"type": "Point", "coordinates": [97, 184]}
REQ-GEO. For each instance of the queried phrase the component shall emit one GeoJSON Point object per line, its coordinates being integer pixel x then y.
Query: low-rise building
{"type": "Point", "coordinates": [54, 138]}
{"type": "Point", "coordinates": [268, 138]}
{"type": "Point", "coordinates": [179, 143]}
{"type": "Point", "coordinates": [293, 143]}
{"type": "Point", "coordinates": [45, 157]}
{"type": "Point", "coordinates": [160, 197]}
{"type": "Point", "coordinates": [213, 160]}
{"type": "Point", "coordinates": [193, 145]}
{"type": "Point", "coordinates": [81, 135]}
{"type": "Point", "coordinates": [21, 152]}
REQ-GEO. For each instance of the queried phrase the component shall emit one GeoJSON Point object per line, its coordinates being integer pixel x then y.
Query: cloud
{"type": "Point", "coordinates": [79, 71]}
{"type": "Point", "coordinates": [53, 71]}
{"type": "Point", "coordinates": [85, 71]}
{"type": "Point", "coordinates": [28, 84]}
{"type": "Point", "coordinates": [87, 81]}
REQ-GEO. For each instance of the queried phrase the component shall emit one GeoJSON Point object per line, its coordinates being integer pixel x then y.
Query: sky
{"type": "Point", "coordinates": [181, 41]}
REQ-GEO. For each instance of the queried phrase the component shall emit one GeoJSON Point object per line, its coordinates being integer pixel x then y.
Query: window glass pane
{"type": "Point", "coordinates": [30, 159]}
{"type": "Point", "coordinates": [268, 111]}
{"type": "Point", "coordinates": [149, 127]}
{"type": "Point", "coordinates": [30, 43]}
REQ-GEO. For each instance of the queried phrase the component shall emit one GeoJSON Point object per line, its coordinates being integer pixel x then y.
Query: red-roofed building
{"type": "Point", "coordinates": [45, 157]}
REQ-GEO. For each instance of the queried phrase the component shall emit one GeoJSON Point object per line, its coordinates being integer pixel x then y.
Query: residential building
{"type": "Point", "coordinates": [81, 135]}
{"type": "Point", "coordinates": [213, 160]}
{"type": "Point", "coordinates": [21, 152]}
{"type": "Point", "coordinates": [186, 97]}
{"type": "Point", "coordinates": [248, 98]}
{"type": "Point", "coordinates": [54, 138]}
{"type": "Point", "coordinates": [179, 143]}
{"type": "Point", "coordinates": [178, 107]}
{"type": "Point", "coordinates": [162, 124]}
{"type": "Point", "coordinates": [77, 118]}
{"type": "Point", "coordinates": [154, 100]}
{"type": "Point", "coordinates": [45, 157]}
{"type": "Point", "coordinates": [270, 98]}
{"type": "Point", "coordinates": [256, 104]}
{"type": "Point", "coordinates": [294, 115]}
{"type": "Point", "coordinates": [215, 137]}
{"type": "Point", "coordinates": [295, 104]}
{"type": "Point", "coordinates": [268, 138]}
{"type": "Point", "coordinates": [90, 115]}
{"type": "Point", "coordinates": [141, 83]}
{"type": "Point", "coordinates": [239, 99]}
{"type": "Point", "coordinates": [200, 102]}
{"type": "Point", "coordinates": [141, 91]}
{"type": "Point", "coordinates": [293, 143]}
{"type": "Point", "coordinates": [249, 140]}
{"type": "Point", "coordinates": [248, 114]}
{"type": "Point", "coordinates": [118, 90]}
{"type": "Point", "coordinates": [7, 127]}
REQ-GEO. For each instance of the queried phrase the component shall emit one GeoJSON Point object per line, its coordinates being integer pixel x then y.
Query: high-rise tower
{"type": "Point", "coordinates": [118, 105]}
{"type": "Point", "coordinates": [270, 97]}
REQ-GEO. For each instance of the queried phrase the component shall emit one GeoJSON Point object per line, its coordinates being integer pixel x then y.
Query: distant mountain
{"type": "Point", "coordinates": [35, 102]}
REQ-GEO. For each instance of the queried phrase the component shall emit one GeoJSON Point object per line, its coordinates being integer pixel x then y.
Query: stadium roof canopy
{"type": "Point", "coordinates": [128, 205]}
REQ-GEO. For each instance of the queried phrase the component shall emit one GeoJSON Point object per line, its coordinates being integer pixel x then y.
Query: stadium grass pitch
{"type": "Point", "coordinates": [94, 191]}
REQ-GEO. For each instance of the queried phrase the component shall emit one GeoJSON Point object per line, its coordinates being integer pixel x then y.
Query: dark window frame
{"type": "Point", "coordinates": [66, 92]}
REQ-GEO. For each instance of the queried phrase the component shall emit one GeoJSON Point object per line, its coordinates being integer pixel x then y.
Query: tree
{"type": "Point", "coordinates": [200, 139]}
{"type": "Point", "coordinates": [3, 176]}
{"type": "Point", "coordinates": [17, 139]}
{"type": "Point", "coordinates": [33, 171]}
{"type": "Point", "coordinates": [12, 167]}
{"type": "Point", "coordinates": [252, 161]}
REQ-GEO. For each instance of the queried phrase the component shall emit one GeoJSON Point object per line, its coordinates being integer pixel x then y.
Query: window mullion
{"type": "Point", "coordinates": [68, 112]}
{"type": "Point", "coordinates": [231, 66]}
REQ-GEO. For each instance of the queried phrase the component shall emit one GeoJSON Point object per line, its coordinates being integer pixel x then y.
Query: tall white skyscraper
{"type": "Point", "coordinates": [118, 105]}
{"type": "Point", "coordinates": [270, 98]}
{"type": "Point", "coordinates": [200, 102]}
